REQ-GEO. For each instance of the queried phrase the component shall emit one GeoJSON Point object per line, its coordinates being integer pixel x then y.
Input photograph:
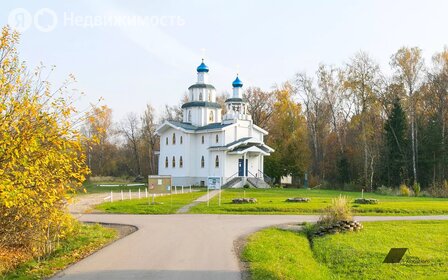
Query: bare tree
{"type": "Point", "coordinates": [130, 129]}
{"type": "Point", "coordinates": [260, 105]}
{"type": "Point", "coordinates": [150, 139]}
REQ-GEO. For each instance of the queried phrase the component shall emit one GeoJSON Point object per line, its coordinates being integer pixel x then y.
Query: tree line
{"type": "Point", "coordinates": [348, 124]}
{"type": "Point", "coordinates": [362, 126]}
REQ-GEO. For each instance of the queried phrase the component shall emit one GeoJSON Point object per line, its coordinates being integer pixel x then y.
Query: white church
{"type": "Point", "coordinates": [208, 148]}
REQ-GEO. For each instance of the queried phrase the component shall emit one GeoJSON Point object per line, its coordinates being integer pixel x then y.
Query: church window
{"type": "Point", "coordinates": [200, 96]}
{"type": "Point", "coordinates": [174, 161]}
{"type": "Point", "coordinates": [181, 162]}
{"type": "Point", "coordinates": [181, 139]}
{"type": "Point", "coordinates": [209, 96]}
{"type": "Point", "coordinates": [202, 162]}
{"type": "Point", "coordinates": [202, 139]}
{"type": "Point", "coordinates": [166, 162]}
{"type": "Point", "coordinates": [217, 161]}
{"type": "Point", "coordinates": [211, 118]}
{"type": "Point", "coordinates": [217, 138]}
{"type": "Point", "coordinates": [174, 138]}
{"type": "Point", "coordinates": [166, 141]}
{"type": "Point", "coordinates": [189, 116]}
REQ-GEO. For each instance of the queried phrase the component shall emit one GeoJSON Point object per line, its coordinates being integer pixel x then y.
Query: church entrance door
{"type": "Point", "coordinates": [241, 167]}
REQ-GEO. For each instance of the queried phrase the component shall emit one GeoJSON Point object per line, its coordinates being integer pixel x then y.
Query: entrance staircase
{"type": "Point", "coordinates": [258, 183]}
{"type": "Point", "coordinates": [235, 182]}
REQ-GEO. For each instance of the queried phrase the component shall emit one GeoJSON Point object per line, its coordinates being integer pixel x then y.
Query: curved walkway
{"type": "Point", "coordinates": [181, 246]}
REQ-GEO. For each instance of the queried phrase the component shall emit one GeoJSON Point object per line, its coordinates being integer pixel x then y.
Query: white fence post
{"type": "Point", "coordinates": [139, 193]}
{"type": "Point", "coordinates": [111, 197]}
{"type": "Point", "coordinates": [175, 189]}
{"type": "Point", "coordinates": [122, 197]}
{"type": "Point", "coordinates": [190, 188]}
{"type": "Point", "coordinates": [130, 194]}
{"type": "Point", "coordinates": [146, 193]}
{"type": "Point", "coordinates": [182, 189]}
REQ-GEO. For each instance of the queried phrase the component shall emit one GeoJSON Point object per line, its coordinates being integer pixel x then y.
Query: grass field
{"type": "Point", "coordinates": [95, 188]}
{"type": "Point", "coordinates": [87, 240]}
{"type": "Point", "coordinates": [279, 254]}
{"type": "Point", "coordinates": [163, 205]}
{"type": "Point", "coordinates": [272, 201]}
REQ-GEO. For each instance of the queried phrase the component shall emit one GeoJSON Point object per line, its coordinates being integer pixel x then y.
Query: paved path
{"type": "Point", "coordinates": [181, 246]}
{"type": "Point", "coordinates": [204, 198]}
{"type": "Point", "coordinates": [84, 203]}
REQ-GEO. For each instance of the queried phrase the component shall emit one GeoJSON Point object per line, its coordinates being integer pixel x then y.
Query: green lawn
{"type": "Point", "coordinates": [95, 188]}
{"type": "Point", "coordinates": [272, 201]}
{"type": "Point", "coordinates": [86, 240]}
{"type": "Point", "coordinates": [279, 254]}
{"type": "Point", "coordinates": [163, 205]}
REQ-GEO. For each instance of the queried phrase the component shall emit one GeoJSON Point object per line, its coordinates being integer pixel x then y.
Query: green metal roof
{"type": "Point", "coordinates": [201, 86]}
{"type": "Point", "coordinates": [237, 99]}
{"type": "Point", "coordinates": [201, 104]}
{"type": "Point", "coordinates": [189, 126]}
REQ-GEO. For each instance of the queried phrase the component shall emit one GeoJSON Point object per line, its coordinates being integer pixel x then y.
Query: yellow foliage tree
{"type": "Point", "coordinates": [40, 155]}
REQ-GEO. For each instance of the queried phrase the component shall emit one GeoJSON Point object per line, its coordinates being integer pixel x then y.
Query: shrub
{"type": "Point", "coordinates": [385, 190]}
{"type": "Point", "coordinates": [416, 188]}
{"type": "Point", "coordinates": [366, 201]}
{"type": "Point", "coordinates": [352, 186]}
{"type": "Point", "coordinates": [339, 210]}
{"type": "Point", "coordinates": [440, 190]}
{"type": "Point", "coordinates": [404, 190]}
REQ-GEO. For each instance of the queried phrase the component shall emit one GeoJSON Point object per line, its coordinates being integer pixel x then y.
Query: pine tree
{"type": "Point", "coordinates": [395, 146]}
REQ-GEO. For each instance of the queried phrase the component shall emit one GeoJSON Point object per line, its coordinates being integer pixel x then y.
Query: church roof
{"type": "Point", "coordinates": [189, 126]}
{"type": "Point", "coordinates": [201, 104]}
{"type": "Point", "coordinates": [202, 86]}
{"type": "Point", "coordinates": [245, 144]}
{"type": "Point", "coordinates": [234, 99]}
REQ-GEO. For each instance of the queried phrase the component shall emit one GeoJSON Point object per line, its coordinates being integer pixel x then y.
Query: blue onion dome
{"type": "Point", "coordinates": [202, 67]}
{"type": "Point", "coordinates": [237, 82]}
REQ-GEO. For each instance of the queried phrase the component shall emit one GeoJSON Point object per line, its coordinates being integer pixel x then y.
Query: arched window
{"type": "Point", "coordinates": [209, 96]}
{"type": "Point", "coordinates": [166, 141]}
{"type": "Point", "coordinates": [217, 161]}
{"type": "Point", "coordinates": [189, 116]}
{"type": "Point", "coordinates": [174, 161]}
{"type": "Point", "coordinates": [211, 118]}
{"type": "Point", "coordinates": [181, 162]}
{"type": "Point", "coordinates": [217, 138]}
{"type": "Point", "coordinates": [174, 138]}
{"type": "Point", "coordinates": [166, 162]}
{"type": "Point", "coordinates": [200, 96]}
{"type": "Point", "coordinates": [181, 139]}
{"type": "Point", "coordinates": [202, 139]}
{"type": "Point", "coordinates": [202, 162]}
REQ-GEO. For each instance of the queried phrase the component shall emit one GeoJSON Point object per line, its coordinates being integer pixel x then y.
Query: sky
{"type": "Point", "coordinates": [131, 53]}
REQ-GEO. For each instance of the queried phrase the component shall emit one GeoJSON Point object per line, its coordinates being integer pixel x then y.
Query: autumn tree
{"type": "Point", "coordinates": [41, 157]}
{"type": "Point", "coordinates": [408, 64]}
{"type": "Point", "coordinates": [98, 130]}
{"type": "Point", "coordinates": [362, 80]}
{"type": "Point", "coordinates": [288, 136]}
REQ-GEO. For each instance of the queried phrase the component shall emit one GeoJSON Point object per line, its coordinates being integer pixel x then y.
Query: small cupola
{"type": "Point", "coordinates": [202, 73]}
{"type": "Point", "coordinates": [202, 67]}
